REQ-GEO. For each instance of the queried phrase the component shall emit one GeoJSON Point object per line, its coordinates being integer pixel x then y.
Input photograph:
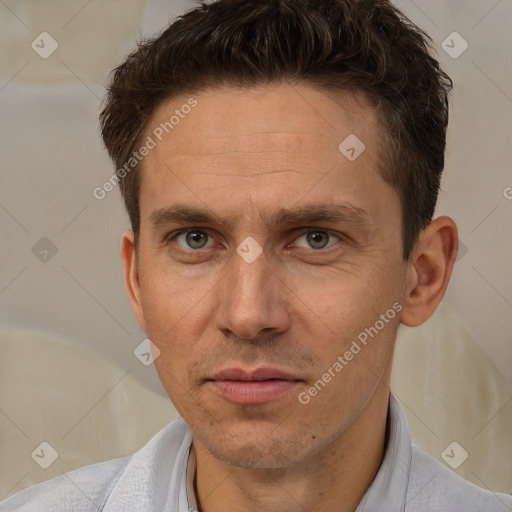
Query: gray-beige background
{"type": "Point", "coordinates": [60, 271]}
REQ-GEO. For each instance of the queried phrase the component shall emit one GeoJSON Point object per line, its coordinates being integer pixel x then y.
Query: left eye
{"type": "Point", "coordinates": [317, 239]}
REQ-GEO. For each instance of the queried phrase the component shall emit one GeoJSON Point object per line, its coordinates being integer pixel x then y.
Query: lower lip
{"type": "Point", "coordinates": [252, 392]}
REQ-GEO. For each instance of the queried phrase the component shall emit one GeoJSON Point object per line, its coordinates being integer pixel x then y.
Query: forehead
{"type": "Point", "coordinates": [261, 145]}
{"type": "Point", "coordinates": [270, 118]}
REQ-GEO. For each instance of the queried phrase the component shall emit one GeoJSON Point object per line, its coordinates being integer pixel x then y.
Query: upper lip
{"type": "Point", "coordinates": [257, 374]}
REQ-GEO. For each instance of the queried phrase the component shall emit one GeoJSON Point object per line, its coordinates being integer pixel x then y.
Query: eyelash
{"type": "Point", "coordinates": [305, 231]}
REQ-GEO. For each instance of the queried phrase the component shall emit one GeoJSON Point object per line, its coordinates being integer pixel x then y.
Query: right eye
{"type": "Point", "coordinates": [191, 239]}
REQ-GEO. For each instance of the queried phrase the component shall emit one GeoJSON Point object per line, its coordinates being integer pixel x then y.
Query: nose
{"type": "Point", "coordinates": [252, 298]}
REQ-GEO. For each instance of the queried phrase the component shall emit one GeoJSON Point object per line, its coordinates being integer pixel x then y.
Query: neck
{"type": "Point", "coordinates": [333, 480]}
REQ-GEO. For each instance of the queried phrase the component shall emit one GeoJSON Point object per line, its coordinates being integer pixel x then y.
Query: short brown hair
{"type": "Point", "coordinates": [364, 45]}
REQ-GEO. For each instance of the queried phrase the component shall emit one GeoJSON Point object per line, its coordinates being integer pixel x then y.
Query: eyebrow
{"type": "Point", "coordinates": [311, 213]}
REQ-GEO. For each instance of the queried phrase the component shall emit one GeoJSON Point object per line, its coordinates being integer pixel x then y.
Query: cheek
{"type": "Point", "coordinates": [345, 300]}
{"type": "Point", "coordinates": [356, 317]}
{"type": "Point", "coordinates": [169, 301]}
{"type": "Point", "coordinates": [354, 361]}
{"type": "Point", "coordinates": [166, 326]}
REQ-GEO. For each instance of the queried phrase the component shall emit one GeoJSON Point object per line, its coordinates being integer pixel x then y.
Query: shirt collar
{"type": "Point", "coordinates": [189, 495]}
{"type": "Point", "coordinates": [387, 492]}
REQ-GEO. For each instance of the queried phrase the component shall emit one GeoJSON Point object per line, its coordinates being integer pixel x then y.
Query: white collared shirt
{"type": "Point", "coordinates": [160, 478]}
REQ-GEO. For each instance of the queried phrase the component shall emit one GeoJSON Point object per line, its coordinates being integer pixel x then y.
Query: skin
{"type": "Point", "coordinates": [243, 154]}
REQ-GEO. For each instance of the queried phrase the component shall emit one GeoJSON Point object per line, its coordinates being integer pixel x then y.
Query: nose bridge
{"type": "Point", "coordinates": [250, 281]}
{"type": "Point", "coordinates": [251, 298]}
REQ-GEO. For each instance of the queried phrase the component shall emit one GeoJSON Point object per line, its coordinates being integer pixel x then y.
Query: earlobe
{"type": "Point", "coordinates": [131, 276]}
{"type": "Point", "coordinates": [429, 270]}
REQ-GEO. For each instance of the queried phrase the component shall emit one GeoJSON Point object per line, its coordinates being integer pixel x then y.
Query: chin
{"type": "Point", "coordinates": [267, 447]}
{"type": "Point", "coordinates": [250, 455]}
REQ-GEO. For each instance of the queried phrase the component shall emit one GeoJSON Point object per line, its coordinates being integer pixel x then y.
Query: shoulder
{"type": "Point", "coordinates": [88, 488]}
{"type": "Point", "coordinates": [80, 490]}
{"type": "Point", "coordinates": [434, 487]}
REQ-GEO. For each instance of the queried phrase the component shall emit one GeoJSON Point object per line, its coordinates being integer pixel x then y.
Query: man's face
{"type": "Point", "coordinates": [252, 158]}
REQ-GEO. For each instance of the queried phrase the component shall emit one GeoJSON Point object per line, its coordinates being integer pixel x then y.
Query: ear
{"type": "Point", "coordinates": [131, 276]}
{"type": "Point", "coordinates": [429, 270]}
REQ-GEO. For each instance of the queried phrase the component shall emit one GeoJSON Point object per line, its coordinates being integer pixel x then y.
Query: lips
{"type": "Point", "coordinates": [258, 374]}
{"type": "Point", "coordinates": [253, 387]}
